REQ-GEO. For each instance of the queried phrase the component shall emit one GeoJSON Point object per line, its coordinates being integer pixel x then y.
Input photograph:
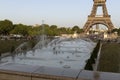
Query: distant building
{"type": "Point", "coordinates": [110, 36]}
{"type": "Point", "coordinates": [75, 35]}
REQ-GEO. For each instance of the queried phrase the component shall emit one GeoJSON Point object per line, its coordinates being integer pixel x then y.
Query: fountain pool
{"type": "Point", "coordinates": [59, 53]}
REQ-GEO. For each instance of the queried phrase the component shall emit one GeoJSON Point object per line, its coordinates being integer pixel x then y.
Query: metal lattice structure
{"type": "Point", "coordinates": [93, 19]}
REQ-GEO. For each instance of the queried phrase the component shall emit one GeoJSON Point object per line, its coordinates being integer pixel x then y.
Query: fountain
{"type": "Point", "coordinates": [62, 58]}
{"type": "Point", "coordinates": [59, 53]}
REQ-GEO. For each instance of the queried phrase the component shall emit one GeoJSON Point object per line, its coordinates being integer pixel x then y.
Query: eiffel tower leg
{"type": "Point", "coordinates": [94, 10]}
{"type": "Point", "coordinates": [105, 12]}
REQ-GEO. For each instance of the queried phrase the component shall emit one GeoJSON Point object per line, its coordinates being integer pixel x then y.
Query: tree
{"type": "Point", "coordinates": [5, 27]}
{"type": "Point", "coordinates": [39, 30]}
{"type": "Point", "coordinates": [53, 31]}
{"type": "Point", "coordinates": [76, 28]}
{"type": "Point", "coordinates": [115, 30]}
{"type": "Point", "coordinates": [43, 29]}
{"type": "Point", "coordinates": [69, 31]}
{"type": "Point", "coordinates": [53, 27]}
{"type": "Point", "coordinates": [34, 31]}
{"type": "Point", "coordinates": [20, 29]}
{"type": "Point", "coordinates": [62, 30]}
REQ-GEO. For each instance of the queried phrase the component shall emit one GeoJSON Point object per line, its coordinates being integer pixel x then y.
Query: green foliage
{"type": "Point", "coordinates": [77, 29]}
{"type": "Point", "coordinates": [34, 31]}
{"type": "Point", "coordinates": [20, 29]}
{"type": "Point", "coordinates": [53, 30]}
{"type": "Point", "coordinates": [12, 49]}
{"type": "Point", "coordinates": [69, 31]}
{"type": "Point", "coordinates": [9, 45]}
{"type": "Point", "coordinates": [62, 30]}
{"type": "Point", "coordinates": [116, 30]}
{"type": "Point", "coordinates": [32, 43]}
{"type": "Point", "coordinates": [5, 27]}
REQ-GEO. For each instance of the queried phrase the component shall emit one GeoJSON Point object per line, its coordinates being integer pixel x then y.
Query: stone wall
{"type": "Point", "coordinates": [10, 75]}
{"type": "Point", "coordinates": [27, 72]}
{"type": "Point", "coordinates": [13, 71]}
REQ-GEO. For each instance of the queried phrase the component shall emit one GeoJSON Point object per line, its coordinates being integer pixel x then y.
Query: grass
{"type": "Point", "coordinates": [110, 58]}
{"type": "Point", "coordinates": [7, 45]}
{"type": "Point", "coordinates": [11, 45]}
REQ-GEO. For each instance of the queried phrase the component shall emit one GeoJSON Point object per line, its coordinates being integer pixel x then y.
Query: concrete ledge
{"type": "Point", "coordinates": [90, 75]}
{"type": "Point", "coordinates": [14, 71]}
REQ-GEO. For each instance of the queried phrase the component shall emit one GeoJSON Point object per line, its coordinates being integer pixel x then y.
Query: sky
{"type": "Point", "coordinates": [63, 13]}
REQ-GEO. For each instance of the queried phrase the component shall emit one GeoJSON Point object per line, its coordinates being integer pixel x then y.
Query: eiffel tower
{"type": "Point", "coordinates": [93, 19]}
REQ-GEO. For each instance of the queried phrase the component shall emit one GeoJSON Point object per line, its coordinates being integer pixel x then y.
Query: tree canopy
{"type": "Point", "coordinates": [7, 27]}
{"type": "Point", "coordinates": [20, 29]}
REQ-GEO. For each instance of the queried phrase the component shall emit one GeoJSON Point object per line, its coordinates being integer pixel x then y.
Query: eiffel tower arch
{"type": "Point", "coordinates": [94, 19]}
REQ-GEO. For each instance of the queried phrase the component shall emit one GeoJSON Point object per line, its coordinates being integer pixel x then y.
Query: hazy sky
{"type": "Point", "coordinates": [64, 13]}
